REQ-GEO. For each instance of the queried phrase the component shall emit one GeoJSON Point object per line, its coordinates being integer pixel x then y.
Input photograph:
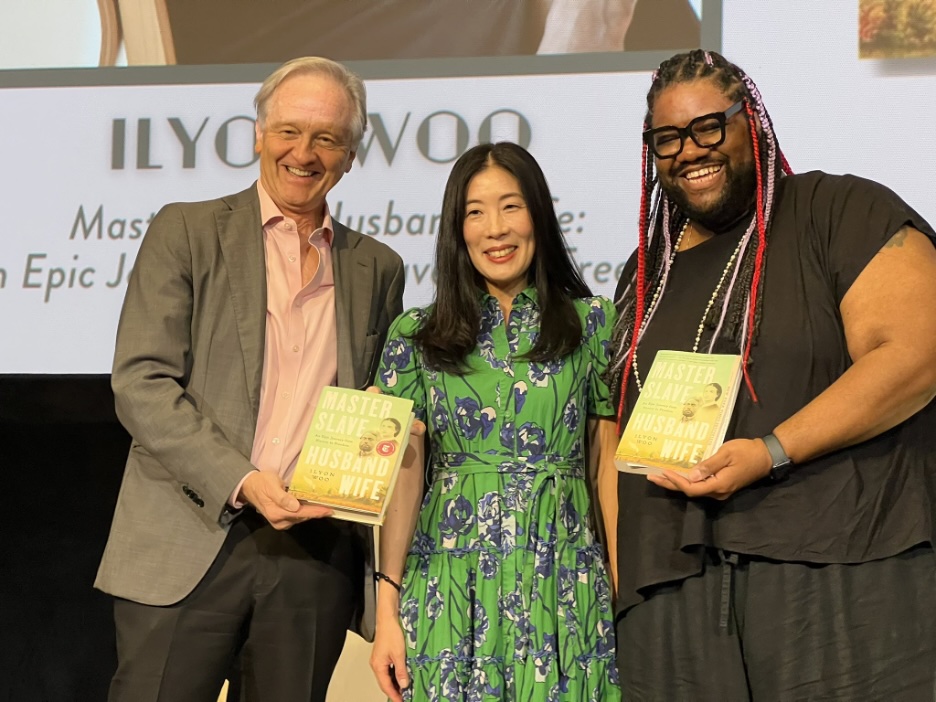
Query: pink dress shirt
{"type": "Point", "coordinates": [301, 346]}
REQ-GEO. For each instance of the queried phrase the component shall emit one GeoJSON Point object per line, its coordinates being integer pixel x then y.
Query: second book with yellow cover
{"type": "Point", "coordinates": [352, 453]}
{"type": "Point", "coordinates": [682, 413]}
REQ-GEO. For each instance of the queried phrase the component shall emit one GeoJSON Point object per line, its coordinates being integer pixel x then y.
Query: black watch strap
{"type": "Point", "coordinates": [780, 463]}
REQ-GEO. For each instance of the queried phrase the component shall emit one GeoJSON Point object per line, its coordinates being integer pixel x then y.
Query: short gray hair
{"type": "Point", "coordinates": [315, 65]}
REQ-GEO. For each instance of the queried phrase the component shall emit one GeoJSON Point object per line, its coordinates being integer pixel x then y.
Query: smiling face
{"type": "Point", "coordinates": [713, 186]}
{"type": "Point", "coordinates": [304, 144]}
{"type": "Point", "coordinates": [498, 232]}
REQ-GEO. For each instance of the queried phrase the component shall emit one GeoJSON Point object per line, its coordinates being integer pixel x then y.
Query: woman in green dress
{"type": "Point", "coordinates": [504, 590]}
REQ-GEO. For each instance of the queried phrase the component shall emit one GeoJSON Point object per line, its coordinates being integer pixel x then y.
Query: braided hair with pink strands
{"type": "Point", "coordinates": [736, 313]}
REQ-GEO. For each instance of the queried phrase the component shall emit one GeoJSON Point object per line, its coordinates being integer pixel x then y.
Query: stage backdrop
{"type": "Point", "coordinates": [92, 154]}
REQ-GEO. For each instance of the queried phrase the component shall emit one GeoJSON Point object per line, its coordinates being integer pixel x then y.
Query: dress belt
{"type": "Point", "coordinates": [547, 466]}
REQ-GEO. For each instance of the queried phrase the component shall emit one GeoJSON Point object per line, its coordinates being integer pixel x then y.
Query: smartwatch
{"type": "Point", "coordinates": [780, 463]}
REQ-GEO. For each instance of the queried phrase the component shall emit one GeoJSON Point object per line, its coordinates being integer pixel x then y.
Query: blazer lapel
{"type": "Point", "coordinates": [241, 241]}
{"type": "Point", "coordinates": [354, 284]}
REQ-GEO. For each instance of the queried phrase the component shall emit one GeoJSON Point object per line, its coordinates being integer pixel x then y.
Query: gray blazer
{"type": "Point", "coordinates": [186, 379]}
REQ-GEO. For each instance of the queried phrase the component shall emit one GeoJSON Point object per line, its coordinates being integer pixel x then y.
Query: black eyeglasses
{"type": "Point", "coordinates": [707, 131]}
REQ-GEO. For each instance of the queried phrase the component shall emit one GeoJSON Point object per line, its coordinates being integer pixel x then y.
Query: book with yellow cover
{"type": "Point", "coordinates": [682, 413]}
{"type": "Point", "coordinates": [352, 453]}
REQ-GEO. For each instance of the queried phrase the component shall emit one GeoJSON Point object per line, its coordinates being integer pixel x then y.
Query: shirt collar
{"type": "Point", "coordinates": [523, 299]}
{"type": "Point", "coordinates": [270, 215]}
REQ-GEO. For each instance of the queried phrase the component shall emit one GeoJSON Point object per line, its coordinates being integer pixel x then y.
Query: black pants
{"type": "Point", "coordinates": [752, 629]}
{"type": "Point", "coordinates": [282, 600]}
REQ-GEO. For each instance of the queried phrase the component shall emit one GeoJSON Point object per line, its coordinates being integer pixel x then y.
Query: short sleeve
{"type": "Point", "coordinates": [598, 327]}
{"type": "Point", "coordinates": [400, 372]}
{"type": "Point", "coordinates": [852, 219]}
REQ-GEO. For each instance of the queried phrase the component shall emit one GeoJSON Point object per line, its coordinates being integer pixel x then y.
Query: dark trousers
{"type": "Point", "coordinates": [281, 601]}
{"type": "Point", "coordinates": [752, 629]}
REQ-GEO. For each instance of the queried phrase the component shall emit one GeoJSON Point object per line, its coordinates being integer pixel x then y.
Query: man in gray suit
{"type": "Point", "coordinates": [238, 312]}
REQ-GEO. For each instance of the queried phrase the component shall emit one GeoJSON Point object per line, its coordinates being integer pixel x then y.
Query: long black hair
{"type": "Point", "coordinates": [450, 330]}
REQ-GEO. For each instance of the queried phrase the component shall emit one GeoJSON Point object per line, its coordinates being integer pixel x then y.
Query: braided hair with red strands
{"type": "Point", "coordinates": [735, 314]}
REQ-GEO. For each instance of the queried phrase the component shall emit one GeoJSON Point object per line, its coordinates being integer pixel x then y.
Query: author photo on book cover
{"type": "Point", "coordinates": [495, 587]}
{"type": "Point", "coordinates": [796, 562]}
{"type": "Point", "coordinates": [240, 310]}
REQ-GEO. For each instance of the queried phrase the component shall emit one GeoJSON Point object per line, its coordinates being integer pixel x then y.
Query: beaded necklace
{"type": "Point", "coordinates": [654, 301]}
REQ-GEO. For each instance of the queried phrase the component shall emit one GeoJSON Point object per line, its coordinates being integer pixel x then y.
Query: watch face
{"type": "Point", "coordinates": [780, 470]}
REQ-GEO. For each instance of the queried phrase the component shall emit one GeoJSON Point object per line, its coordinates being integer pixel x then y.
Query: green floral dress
{"type": "Point", "coordinates": [505, 594]}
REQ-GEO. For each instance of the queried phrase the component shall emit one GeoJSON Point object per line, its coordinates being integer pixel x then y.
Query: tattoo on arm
{"type": "Point", "coordinates": [898, 239]}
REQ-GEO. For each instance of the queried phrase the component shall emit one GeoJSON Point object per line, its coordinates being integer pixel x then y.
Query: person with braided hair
{"type": "Point", "coordinates": [797, 561]}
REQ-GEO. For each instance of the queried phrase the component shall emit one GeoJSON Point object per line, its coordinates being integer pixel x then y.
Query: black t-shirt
{"type": "Point", "coordinates": [869, 501]}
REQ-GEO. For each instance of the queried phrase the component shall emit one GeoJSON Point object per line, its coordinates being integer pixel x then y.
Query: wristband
{"type": "Point", "coordinates": [780, 462]}
{"type": "Point", "coordinates": [383, 576]}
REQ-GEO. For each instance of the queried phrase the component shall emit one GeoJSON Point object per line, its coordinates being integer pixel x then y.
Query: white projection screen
{"type": "Point", "coordinates": [92, 151]}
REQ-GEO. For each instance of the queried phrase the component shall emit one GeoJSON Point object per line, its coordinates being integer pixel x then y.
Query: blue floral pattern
{"type": "Point", "coordinates": [505, 595]}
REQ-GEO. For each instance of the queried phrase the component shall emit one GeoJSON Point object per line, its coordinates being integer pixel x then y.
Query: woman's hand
{"type": "Point", "coordinates": [388, 658]}
{"type": "Point", "coordinates": [388, 655]}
